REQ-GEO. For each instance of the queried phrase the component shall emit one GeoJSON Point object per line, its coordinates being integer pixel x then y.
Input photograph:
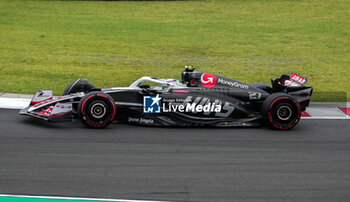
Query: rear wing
{"type": "Point", "coordinates": [290, 80]}
{"type": "Point", "coordinates": [297, 79]}
{"type": "Point", "coordinates": [285, 81]}
{"type": "Point", "coordinates": [41, 96]}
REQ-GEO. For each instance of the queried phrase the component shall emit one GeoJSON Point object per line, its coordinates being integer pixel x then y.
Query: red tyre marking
{"type": "Point", "coordinates": [270, 117]}
{"type": "Point", "coordinates": [82, 106]}
{"type": "Point", "coordinates": [284, 128]}
{"type": "Point", "coordinates": [95, 126]}
{"type": "Point", "coordinates": [90, 124]}
{"type": "Point", "coordinates": [277, 100]}
{"type": "Point", "coordinates": [113, 109]}
{"type": "Point", "coordinates": [299, 111]}
{"type": "Point", "coordinates": [101, 95]}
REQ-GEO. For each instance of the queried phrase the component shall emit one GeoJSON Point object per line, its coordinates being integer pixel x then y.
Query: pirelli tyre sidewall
{"type": "Point", "coordinates": [281, 111]}
{"type": "Point", "coordinates": [96, 110]}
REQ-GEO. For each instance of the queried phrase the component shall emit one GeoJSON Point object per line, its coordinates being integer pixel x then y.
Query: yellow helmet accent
{"type": "Point", "coordinates": [189, 67]}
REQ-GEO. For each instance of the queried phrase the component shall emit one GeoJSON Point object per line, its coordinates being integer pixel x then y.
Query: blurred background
{"type": "Point", "coordinates": [48, 44]}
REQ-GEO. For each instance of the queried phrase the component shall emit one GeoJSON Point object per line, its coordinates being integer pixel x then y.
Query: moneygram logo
{"type": "Point", "coordinates": [151, 104]}
{"type": "Point", "coordinates": [208, 80]}
{"type": "Point", "coordinates": [233, 84]}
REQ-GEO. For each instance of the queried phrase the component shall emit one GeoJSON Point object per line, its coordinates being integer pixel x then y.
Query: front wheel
{"type": "Point", "coordinates": [281, 111]}
{"type": "Point", "coordinates": [96, 110]}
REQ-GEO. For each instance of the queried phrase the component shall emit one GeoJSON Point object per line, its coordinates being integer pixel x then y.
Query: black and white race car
{"type": "Point", "coordinates": [200, 99]}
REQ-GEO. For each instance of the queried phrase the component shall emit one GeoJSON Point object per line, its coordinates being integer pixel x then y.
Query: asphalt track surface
{"type": "Point", "coordinates": [309, 163]}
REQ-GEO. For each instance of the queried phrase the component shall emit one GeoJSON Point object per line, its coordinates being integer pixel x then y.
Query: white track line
{"type": "Point", "coordinates": [14, 103]}
{"type": "Point", "coordinates": [74, 198]}
{"type": "Point", "coordinates": [327, 117]}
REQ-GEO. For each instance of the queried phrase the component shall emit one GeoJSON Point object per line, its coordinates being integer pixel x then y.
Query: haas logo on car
{"type": "Point", "coordinates": [208, 80]}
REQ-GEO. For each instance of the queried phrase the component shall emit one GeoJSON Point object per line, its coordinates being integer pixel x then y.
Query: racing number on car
{"type": "Point", "coordinates": [254, 95]}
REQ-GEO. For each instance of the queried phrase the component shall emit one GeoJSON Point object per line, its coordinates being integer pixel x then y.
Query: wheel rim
{"type": "Point", "coordinates": [98, 110]}
{"type": "Point", "coordinates": [284, 113]}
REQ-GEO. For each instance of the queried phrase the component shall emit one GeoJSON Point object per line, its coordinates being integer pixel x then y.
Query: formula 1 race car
{"type": "Point", "coordinates": [200, 99]}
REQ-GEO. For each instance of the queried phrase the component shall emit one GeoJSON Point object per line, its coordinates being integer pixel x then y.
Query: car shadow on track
{"type": "Point", "coordinates": [117, 126]}
{"type": "Point", "coordinates": [47, 124]}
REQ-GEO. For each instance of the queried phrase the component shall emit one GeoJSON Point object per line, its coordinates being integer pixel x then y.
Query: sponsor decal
{"type": "Point", "coordinates": [197, 106]}
{"type": "Point", "coordinates": [61, 108]}
{"type": "Point", "coordinates": [208, 80]}
{"type": "Point", "coordinates": [189, 104]}
{"type": "Point", "coordinates": [64, 106]}
{"type": "Point", "coordinates": [299, 79]}
{"type": "Point", "coordinates": [151, 104]}
{"type": "Point", "coordinates": [232, 84]}
{"type": "Point", "coordinates": [140, 120]}
{"type": "Point", "coordinates": [291, 83]}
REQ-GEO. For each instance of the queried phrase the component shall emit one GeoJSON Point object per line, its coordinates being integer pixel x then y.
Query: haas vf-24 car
{"type": "Point", "coordinates": [200, 99]}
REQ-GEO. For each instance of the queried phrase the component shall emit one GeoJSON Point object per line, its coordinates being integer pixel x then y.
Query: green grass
{"type": "Point", "coordinates": [48, 44]}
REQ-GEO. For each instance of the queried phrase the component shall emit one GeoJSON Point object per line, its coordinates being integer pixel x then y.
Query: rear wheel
{"type": "Point", "coordinates": [281, 111]}
{"type": "Point", "coordinates": [96, 109]}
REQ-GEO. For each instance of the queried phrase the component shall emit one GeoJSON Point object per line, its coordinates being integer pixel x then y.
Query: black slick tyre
{"type": "Point", "coordinates": [281, 111]}
{"type": "Point", "coordinates": [96, 110]}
